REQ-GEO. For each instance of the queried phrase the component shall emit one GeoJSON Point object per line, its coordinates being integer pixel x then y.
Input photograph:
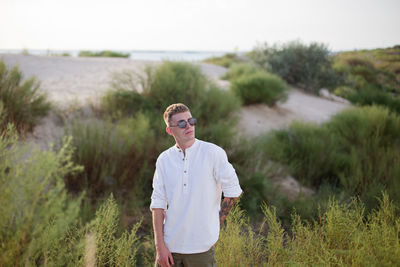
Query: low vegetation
{"type": "Point", "coordinates": [226, 60]}
{"type": "Point", "coordinates": [304, 66]}
{"type": "Point", "coordinates": [21, 101]}
{"type": "Point", "coordinates": [260, 87]}
{"type": "Point", "coordinates": [357, 151]}
{"type": "Point", "coordinates": [104, 53]}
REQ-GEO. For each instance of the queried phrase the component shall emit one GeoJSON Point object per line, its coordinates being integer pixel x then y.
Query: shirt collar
{"type": "Point", "coordinates": [191, 148]}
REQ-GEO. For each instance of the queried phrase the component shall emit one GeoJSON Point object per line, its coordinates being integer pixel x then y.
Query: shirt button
{"type": "Point", "coordinates": [184, 171]}
{"type": "Point", "coordinates": [184, 184]}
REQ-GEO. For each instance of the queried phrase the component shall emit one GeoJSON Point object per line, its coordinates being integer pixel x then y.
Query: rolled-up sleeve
{"type": "Point", "coordinates": [158, 197]}
{"type": "Point", "coordinates": [225, 174]}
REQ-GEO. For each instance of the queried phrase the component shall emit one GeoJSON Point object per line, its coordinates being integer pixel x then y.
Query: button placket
{"type": "Point", "coordinates": [185, 174]}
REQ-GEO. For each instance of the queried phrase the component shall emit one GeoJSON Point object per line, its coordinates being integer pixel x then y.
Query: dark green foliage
{"type": "Point", "coordinates": [304, 66]}
{"type": "Point", "coordinates": [22, 102]}
{"type": "Point", "coordinates": [359, 150]}
{"type": "Point", "coordinates": [116, 157]}
{"type": "Point", "coordinates": [104, 53]}
{"type": "Point", "coordinates": [260, 87]}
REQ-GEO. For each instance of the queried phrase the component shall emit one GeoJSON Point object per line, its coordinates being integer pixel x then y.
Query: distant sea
{"type": "Point", "coordinates": [135, 54]}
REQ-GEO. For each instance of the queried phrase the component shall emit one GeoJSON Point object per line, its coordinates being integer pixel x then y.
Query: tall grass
{"type": "Point", "coordinates": [343, 235]}
{"type": "Point", "coordinates": [22, 102]}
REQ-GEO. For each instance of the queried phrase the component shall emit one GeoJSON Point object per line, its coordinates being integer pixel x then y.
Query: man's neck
{"type": "Point", "coordinates": [183, 146]}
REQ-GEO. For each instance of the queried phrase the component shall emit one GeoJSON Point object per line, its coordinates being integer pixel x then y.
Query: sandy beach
{"type": "Point", "coordinates": [77, 80]}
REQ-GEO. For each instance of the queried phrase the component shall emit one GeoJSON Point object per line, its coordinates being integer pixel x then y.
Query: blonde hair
{"type": "Point", "coordinates": [172, 110]}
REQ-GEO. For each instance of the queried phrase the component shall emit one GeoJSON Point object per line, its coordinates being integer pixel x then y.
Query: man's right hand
{"type": "Point", "coordinates": [164, 257]}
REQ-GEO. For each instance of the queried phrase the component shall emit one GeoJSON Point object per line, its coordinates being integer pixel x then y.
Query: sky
{"type": "Point", "coordinates": [197, 25]}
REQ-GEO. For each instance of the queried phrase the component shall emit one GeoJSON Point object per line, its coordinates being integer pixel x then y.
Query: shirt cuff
{"type": "Point", "coordinates": [158, 204]}
{"type": "Point", "coordinates": [232, 191]}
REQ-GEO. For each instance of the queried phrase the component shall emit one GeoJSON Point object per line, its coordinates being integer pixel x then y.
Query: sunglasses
{"type": "Point", "coordinates": [182, 123]}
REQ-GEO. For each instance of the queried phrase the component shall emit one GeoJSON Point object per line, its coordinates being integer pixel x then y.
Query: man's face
{"type": "Point", "coordinates": [181, 135]}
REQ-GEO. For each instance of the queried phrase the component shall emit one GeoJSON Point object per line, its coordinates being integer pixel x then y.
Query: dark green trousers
{"type": "Point", "coordinates": [204, 259]}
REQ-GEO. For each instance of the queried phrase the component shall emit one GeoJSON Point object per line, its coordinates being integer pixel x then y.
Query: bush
{"type": "Point", "coordinates": [260, 87]}
{"type": "Point", "coordinates": [22, 102]}
{"type": "Point", "coordinates": [174, 82]}
{"type": "Point", "coordinates": [226, 60]}
{"type": "Point", "coordinates": [358, 150]}
{"type": "Point", "coordinates": [305, 66]}
{"type": "Point", "coordinates": [38, 222]}
{"type": "Point", "coordinates": [117, 157]}
{"type": "Point", "coordinates": [371, 96]}
{"type": "Point", "coordinates": [104, 53]}
{"type": "Point", "coordinates": [239, 70]}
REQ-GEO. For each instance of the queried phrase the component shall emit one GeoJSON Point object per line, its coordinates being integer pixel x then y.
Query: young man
{"type": "Point", "coordinates": [186, 201]}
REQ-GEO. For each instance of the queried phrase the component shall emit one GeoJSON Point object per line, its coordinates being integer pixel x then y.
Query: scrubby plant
{"type": "Point", "coordinates": [371, 75]}
{"type": "Point", "coordinates": [104, 53]}
{"type": "Point", "coordinates": [358, 151]}
{"type": "Point", "coordinates": [23, 102]}
{"type": "Point", "coordinates": [173, 82]}
{"type": "Point", "coordinates": [116, 156]}
{"type": "Point", "coordinates": [110, 250]}
{"type": "Point", "coordinates": [342, 235]}
{"type": "Point", "coordinates": [260, 87]}
{"type": "Point", "coordinates": [304, 66]}
{"type": "Point", "coordinates": [38, 222]}
{"type": "Point", "coordinates": [238, 70]}
{"type": "Point", "coordinates": [226, 60]}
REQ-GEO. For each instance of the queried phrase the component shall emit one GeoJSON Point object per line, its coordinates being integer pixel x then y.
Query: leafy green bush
{"type": "Point", "coordinates": [305, 66]}
{"type": "Point", "coordinates": [226, 60]}
{"type": "Point", "coordinates": [358, 150]}
{"type": "Point", "coordinates": [117, 157]}
{"type": "Point", "coordinates": [238, 70]}
{"type": "Point", "coordinates": [174, 82]}
{"type": "Point", "coordinates": [370, 96]}
{"type": "Point", "coordinates": [38, 222]}
{"type": "Point", "coordinates": [23, 103]}
{"type": "Point", "coordinates": [104, 53]}
{"type": "Point", "coordinates": [109, 250]}
{"type": "Point", "coordinates": [260, 87]}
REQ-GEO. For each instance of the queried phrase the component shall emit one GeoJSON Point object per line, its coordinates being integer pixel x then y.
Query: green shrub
{"type": "Point", "coordinates": [38, 222]}
{"type": "Point", "coordinates": [358, 150]}
{"type": "Point", "coordinates": [174, 82]}
{"type": "Point", "coordinates": [110, 250]}
{"type": "Point", "coordinates": [104, 53]}
{"type": "Point", "coordinates": [226, 60]}
{"type": "Point", "coordinates": [305, 66]}
{"type": "Point", "coordinates": [238, 70]}
{"type": "Point", "coordinates": [23, 103]}
{"type": "Point", "coordinates": [117, 157]}
{"type": "Point", "coordinates": [371, 96]}
{"type": "Point", "coordinates": [260, 87]}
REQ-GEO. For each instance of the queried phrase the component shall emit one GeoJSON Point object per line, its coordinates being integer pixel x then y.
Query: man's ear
{"type": "Point", "coordinates": [168, 130]}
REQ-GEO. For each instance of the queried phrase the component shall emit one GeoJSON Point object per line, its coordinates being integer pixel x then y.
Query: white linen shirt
{"type": "Point", "coordinates": [189, 189]}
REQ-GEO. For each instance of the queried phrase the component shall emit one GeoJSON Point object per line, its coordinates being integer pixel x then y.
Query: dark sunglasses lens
{"type": "Point", "coordinates": [192, 121]}
{"type": "Point", "coordinates": [182, 124]}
